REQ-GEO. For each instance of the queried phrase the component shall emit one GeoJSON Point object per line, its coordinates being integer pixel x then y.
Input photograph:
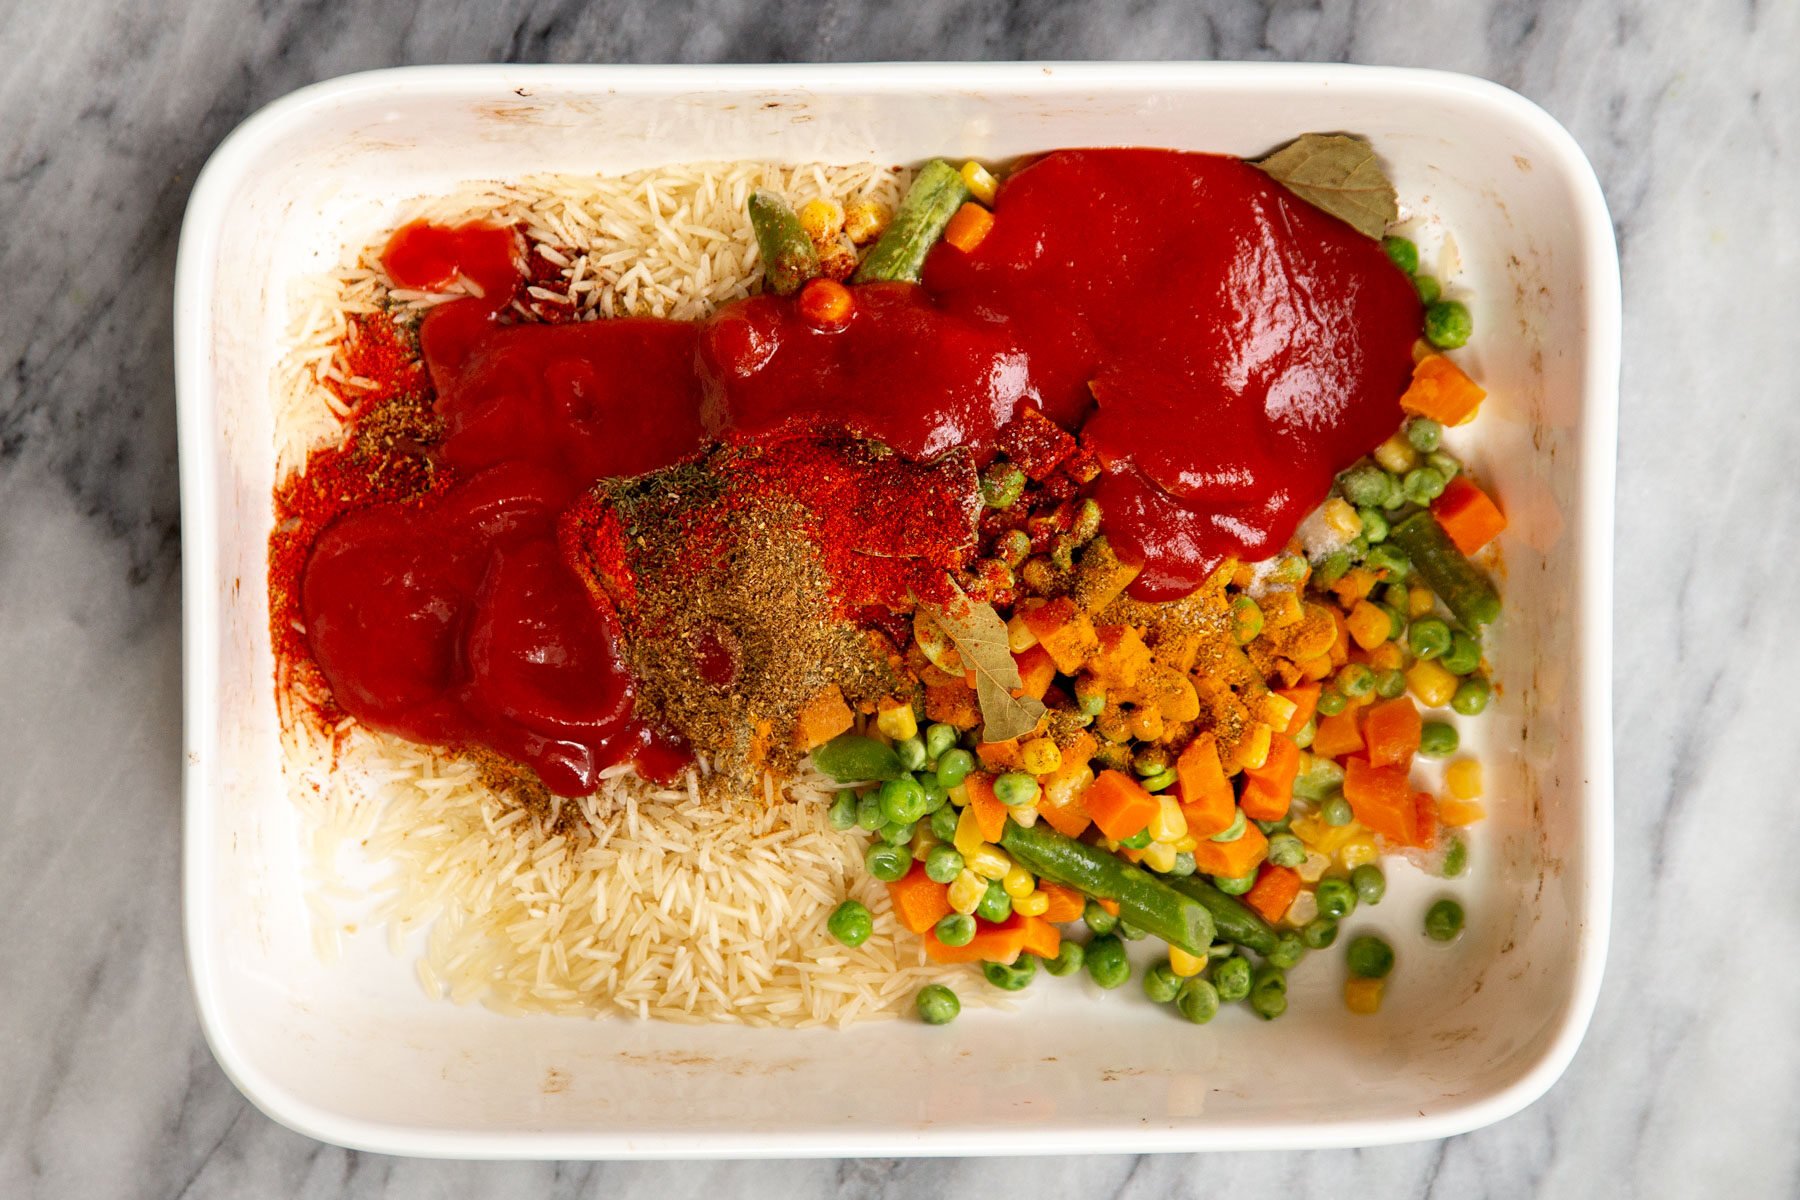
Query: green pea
{"type": "Point", "coordinates": [1369, 957]}
{"type": "Point", "coordinates": [1464, 654]}
{"type": "Point", "coordinates": [1159, 782]}
{"type": "Point", "coordinates": [936, 796]}
{"type": "Point", "coordinates": [912, 753]}
{"type": "Point", "coordinates": [1303, 737]}
{"type": "Point", "coordinates": [1137, 841]}
{"type": "Point", "coordinates": [899, 835]}
{"type": "Point", "coordinates": [1387, 557]}
{"type": "Point", "coordinates": [1128, 931]}
{"type": "Point", "coordinates": [1012, 548]}
{"type": "Point", "coordinates": [1184, 864]}
{"type": "Point", "coordinates": [1445, 464]}
{"type": "Point", "coordinates": [1013, 976]}
{"type": "Point", "coordinates": [1233, 831]}
{"type": "Point", "coordinates": [1438, 740]}
{"type": "Point", "coordinates": [954, 767]}
{"type": "Point", "coordinates": [1443, 921]}
{"type": "Point", "coordinates": [1395, 596]}
{"type": "Point", "coordinates": [1015, 788]}
{"type": "Point", "coordinates": [1401, 252]}
{"type": "Point", "coordinates": [1068, 958]}
{"type": "Point", "coordinates": [1428, 637]}
{"type": "Point", "coordinates": [1197, 1000]}
{"type": "Point", "coordinates": [1161, 983]}
{"type": "Point", "coordinates": [938, 1005]}
{"type": "Point", "coordinates": [1246, 619]}
{"type": "Point", "coordinates": [1098, 919]}
{"type": "Point", "coordinates": [868, 811]}
{"type": "Point", "coordinates": [902, 800]}
{"type": "Point", "coordinates": [1370, 883]}
{"type": "Point", "coordinates": [887, 863]}
{"type": "Point", "coordinates": [1390, 684]}
{"type": "Point", "coordinates": [1090, 695]}
{"type": "Point", "coordinates": [1396, 499]}
{"type": "Point", "coordinates": [1332, 702]}
{"type": "Point", "coordinates": [1355, 680]}
{"type": "Point", "coordinates": [1289, 949]}
{"type": "Point", "coordinates": [1425, 434]}
{"type": "Point", "coordinates": [1374, 525]}
{"type": "Point", "coordinates": [943, 824]}
{"type": "Point", "coordinates": [1471, 696]}
{"type": "Point", "coordinates": [995, 904]}
{"type": "Point", "coordinates": [1268, 993]}
{"type": "Point", "coordinates": [1106, 962]}
{"type": "Point", "coordinates": [1456, 858]}
{"type": "Point", "coordinates": [1336, 812]}
{"type": "Point", "coordinates": [943, 863]}
{"type": "Point", "coordinates": [1448, 324]}
{"type": "Point", "coordinates": [1332, 567]}
{"type": "Point", "coordinates": [1337, 899]}
{"type": "Point", "coordinates": [1319, 933]}
{"type": "Point", "coordinates": [1364, 484]}
{"type": "Point", "coordinates": [1235, 887]}
{"type": "Point", "coordinates": [1358, 548]}
{"type": "Point", "coordinates": [850, 923]}
{"type": "Point", "coordinates": [1422, 485]}
{"type": "Point", "coordinates": [1319, 780]}
{"type": "Point", "coordinates": [940, 737]}
{"type": "Point", "coordinates": [1232, 976]}
{"type": "Point", "coordinates": [1001, 485]}
{"type": "Point", "coordinates": [1429, 288]}
{"type": "Point", "coordinates": [956, 929]}
{"type": "Point", "coordinates": [1286, 850]}
{"type": "Point", "coordinates": [842, 813]}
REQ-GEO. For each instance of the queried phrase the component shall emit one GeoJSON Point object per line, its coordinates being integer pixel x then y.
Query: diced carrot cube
{"type": "Point", "coordinates": [1274, 891]}
{"type": "Point", "coordinates": [990, 814]}
{"type": "Point", "coordinates": [1119, 805]}
{"type": "Point", "coordinates": [1232, 860]}
{"type": "Point", "coordinates": [1391, 732]}
{"type": "Point", "coordinates": [1337, 735]}
{"type": "Point", "coordinates": [919, 901]}
{"type": "Point", "coordinates": [1205, 794]}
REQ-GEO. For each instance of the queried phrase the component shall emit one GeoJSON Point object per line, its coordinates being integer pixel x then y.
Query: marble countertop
{"type": "Point", "coordinates": [1689, 1082]}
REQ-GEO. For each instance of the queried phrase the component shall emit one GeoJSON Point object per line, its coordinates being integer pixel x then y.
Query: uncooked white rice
{"type": "Point", "coordinates": [665, 904]}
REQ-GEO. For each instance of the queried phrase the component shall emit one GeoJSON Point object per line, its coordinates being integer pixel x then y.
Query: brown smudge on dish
{"type": "Point", "coordinates": [556, 1081]}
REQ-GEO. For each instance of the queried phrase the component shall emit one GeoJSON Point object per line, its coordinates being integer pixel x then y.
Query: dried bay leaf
{"type": "Point", "coordinates": [1338, 174]}
{"type": "Point", "coordinates": [980, 637]}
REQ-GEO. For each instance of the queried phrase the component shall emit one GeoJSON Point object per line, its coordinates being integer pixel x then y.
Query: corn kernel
{"type": "Point", "coordinates": [1032, 904]}
{"type": "Point", "coordinates": [1146, 723]}
{"type": "Point", "coordinates": [988, 862]}
{"type": "Point", "coordinates": [1431, 683]}
{"type": "Point", "coordinates": [1019, 637]}
{"type": "Point", "coordinates": [1017, 882]}
{"type": "Point", "coordinates": [1341, 518]}
{"type": "Point", "coordinates": [1419, 601]}
{"type": "Point", "coordinates": [981, 181]}
{"type": "Point", "coordinates": [1277, 710]}
{"type": "Point", "coordinates": [1357, 851]}
{"type": "Point", "coordinates": [1397, 454]}
{"type": "Point", "coordinates": [1158, 856]}
{"type": "Point", "coordinates": [1304, 908]}
{"type": "Point", "coordinates": [1169, 825]}
{"type": "Point", "coordinates": [966, 891]}
{"type": "Point", "coordinates": [1386, 657]}
{"type": "Point", "coordinates": [1314, 868]}
{"type": "Point", "coordinates": [1362, 995]}
{"type": "Point", "coordinates": [1369, 626]}
{"type": "Point", "coordinates": [1064, 789]}
{"type": "Point", "coordinates": [1253, 753]}
{"type": "Point", "coordinates": [1457, 813]}
{"type": "Point", "coordinates": [865, 220]}
{"type": "Point", "coordinates": [1023, 815]}
{"type": "Point", "coordinates": [1464, 778]}
{"type": "Point", "coordinates": [895, 719]}
{"type": "Point", "coordinates": [1040, 756]}
{"type": "Point", "coordinates": [1281, 608]}
{"type": "Point", "coordinates": [1189, 844]}
{"type": "Point", "coordinates": [1185, 965]}
{"type": "Point", "coordinates": [822, 219]}
{"type": "Point", "coordinates": [968, 837]}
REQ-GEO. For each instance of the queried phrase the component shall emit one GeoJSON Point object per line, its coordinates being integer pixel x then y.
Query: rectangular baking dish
{"type": "Point", "coordinates": [355, 1054]}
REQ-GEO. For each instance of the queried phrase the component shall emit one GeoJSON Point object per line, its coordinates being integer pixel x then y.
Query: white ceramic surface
{"type": "Point", "coordinates": [355, 1054]}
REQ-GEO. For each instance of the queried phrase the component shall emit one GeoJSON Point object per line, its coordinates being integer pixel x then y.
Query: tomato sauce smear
{"type": "Point", "coordinates": [1220, 346]}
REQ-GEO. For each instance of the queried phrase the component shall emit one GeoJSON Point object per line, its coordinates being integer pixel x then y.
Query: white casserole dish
{"type": "Point", "coordinates": [355, 1054]}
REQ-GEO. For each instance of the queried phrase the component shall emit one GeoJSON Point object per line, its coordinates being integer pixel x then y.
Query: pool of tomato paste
{"type": "Point", "coordinates": [1221, 346]}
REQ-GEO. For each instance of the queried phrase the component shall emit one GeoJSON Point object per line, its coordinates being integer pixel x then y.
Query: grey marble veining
{"type": "Point", "coordinates": [1689, 1082]}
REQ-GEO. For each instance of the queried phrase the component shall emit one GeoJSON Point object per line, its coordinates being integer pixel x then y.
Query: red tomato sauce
{"type": "Point", "coordinates": [1220, 345]}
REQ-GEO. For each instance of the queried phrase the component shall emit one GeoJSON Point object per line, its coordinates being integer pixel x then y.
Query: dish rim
{"type": "Point", "coordinates": [1597, 440]}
